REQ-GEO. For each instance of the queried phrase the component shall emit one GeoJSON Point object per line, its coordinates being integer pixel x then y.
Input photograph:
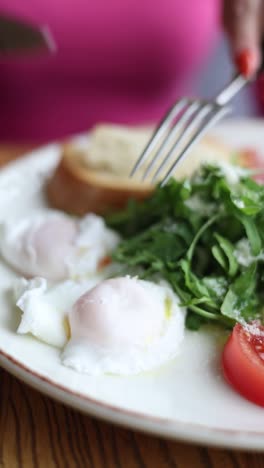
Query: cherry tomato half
{"type": "Point", "coordinates": [243, 361]}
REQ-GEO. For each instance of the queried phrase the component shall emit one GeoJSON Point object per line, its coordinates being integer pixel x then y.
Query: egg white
{"type": "Point", "coordinates": [44, 308]}
{"type": "Point", "coordinates": [94, 242]}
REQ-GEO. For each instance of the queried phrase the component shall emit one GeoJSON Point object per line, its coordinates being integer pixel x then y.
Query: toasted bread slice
{"type": "Point", "coordinates": [93, 176]}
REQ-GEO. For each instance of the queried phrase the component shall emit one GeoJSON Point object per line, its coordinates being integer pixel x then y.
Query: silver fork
{"type": "Point", "coordinates": [183, 125]}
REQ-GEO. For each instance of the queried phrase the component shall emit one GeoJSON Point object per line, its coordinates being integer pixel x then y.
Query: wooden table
{"type": "Point", "coordinates": [36, 432]}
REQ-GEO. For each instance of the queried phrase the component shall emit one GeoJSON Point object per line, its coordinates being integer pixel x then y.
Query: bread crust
{"type": "Point", "coordinates": [77, 189]}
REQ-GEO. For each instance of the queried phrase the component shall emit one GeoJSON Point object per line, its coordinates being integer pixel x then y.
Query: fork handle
{"type": "Point", "coordinates": [235, 85]}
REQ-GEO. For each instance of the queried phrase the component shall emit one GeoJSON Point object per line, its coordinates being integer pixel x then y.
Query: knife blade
{"type": "Point", "coordinates": [20, 37]}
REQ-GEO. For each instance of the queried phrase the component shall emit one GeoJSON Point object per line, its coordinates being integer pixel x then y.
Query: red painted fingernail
{"type": "Point", "coordinates": [246, 62]}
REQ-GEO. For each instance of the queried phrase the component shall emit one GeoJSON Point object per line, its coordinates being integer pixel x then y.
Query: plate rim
{"type": "Point", "coordinates": [188, 432]}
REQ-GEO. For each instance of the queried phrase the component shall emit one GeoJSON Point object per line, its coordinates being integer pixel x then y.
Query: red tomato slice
{"type": "Point", "coordinates": [243, 361]}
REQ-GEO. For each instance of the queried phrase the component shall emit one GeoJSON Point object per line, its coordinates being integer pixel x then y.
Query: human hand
{"type": "Point", "coordinates": [244, 23]}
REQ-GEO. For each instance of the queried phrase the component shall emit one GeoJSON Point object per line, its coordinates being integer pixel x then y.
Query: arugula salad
{"type": "Point", "coordinates": [205, 237]}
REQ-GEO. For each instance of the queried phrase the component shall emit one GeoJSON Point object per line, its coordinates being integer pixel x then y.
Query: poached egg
{"type": "Point", "coordinates": [55, 246]}
{"type": "Point", "coordinates": [118, 326]}
{"type": "Point", "coordinates": [124, 326]}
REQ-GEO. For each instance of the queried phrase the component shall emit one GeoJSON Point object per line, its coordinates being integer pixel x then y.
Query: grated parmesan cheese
{"type": "Point", "coordinates": [196, 203]}
{"type": "Point", "coordinates": [253, 329]}
{"type": "Point", "coordinates": [243, 253]}
{"type": "Point", "coordinates": [232, 173]}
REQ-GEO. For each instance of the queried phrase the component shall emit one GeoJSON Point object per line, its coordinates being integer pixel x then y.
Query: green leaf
{"type": "Point", "coordinates": [194, 321]}
{"type": "Point", "coordinates": [220, 257]}
{"type": "Point", "coordinates": [231, 307]}
{"type": "Point", "coordinates": [245, 284]}
{"type": "Point", "coordinates": [252, 234]}
{"type": "Point", "coordinates": [228, 249]}
{"type": "Point", "coordinates": [201, 231]}
{"type": "Point", "coordinates": [246, 205]}
{"type": "Point", "coordinates": [193, 284]}
{"type": "Point", "coordinates": [240, 302]}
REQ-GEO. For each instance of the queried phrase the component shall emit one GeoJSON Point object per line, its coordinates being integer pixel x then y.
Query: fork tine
{"type": "Point", "coordinates": [198, 115]}
{"type": "Point", "coordinates": [180, 123]}
{"type": "Point", "coordinates": [211, 119]}
{"type": "Point", "coordinates": [159, 132]}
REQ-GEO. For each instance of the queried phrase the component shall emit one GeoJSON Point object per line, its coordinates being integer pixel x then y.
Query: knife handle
{"type": "Point", "coordinates": [19, 37]}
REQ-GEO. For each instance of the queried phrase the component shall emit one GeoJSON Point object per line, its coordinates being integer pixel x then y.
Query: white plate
{"type": "Point", "coordinates": [186, 399]}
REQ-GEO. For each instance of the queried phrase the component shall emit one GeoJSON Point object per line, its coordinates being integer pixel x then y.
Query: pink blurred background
{"type": "Point", "coordinates": [117, 61]}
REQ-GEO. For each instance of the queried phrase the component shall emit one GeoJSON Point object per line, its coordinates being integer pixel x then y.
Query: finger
{"type": "Point", "coordinates": [242, 23]}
